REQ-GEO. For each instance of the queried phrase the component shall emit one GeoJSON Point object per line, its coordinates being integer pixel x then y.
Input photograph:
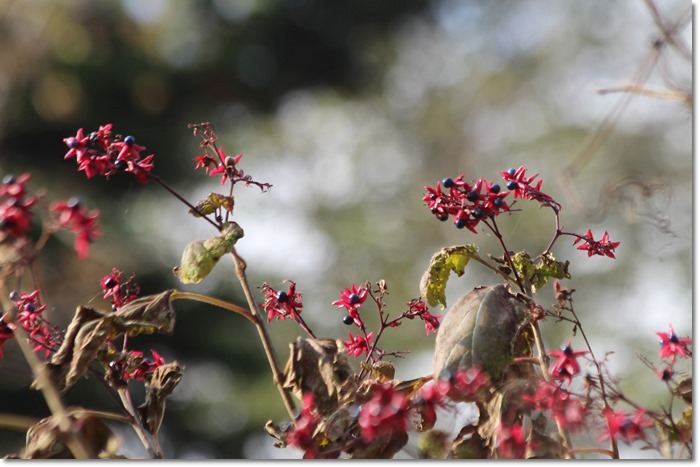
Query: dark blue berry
{"type": "Point", "coordinates": [109, 283]}
{"type": "Point", "coordinates": [72, 143]}
{"type": "Point", "coordinates": [512, 185]}
{"type": "Point", "coordinates": [673, 339]}
{"type": "Point", "coordinates": [442, 217]}
{"type": "Point", "coordinates": [472, 196]}
{"type": "Point", "coordinates": [511, 171]}
{"type": "Point", "coordinates": [477, 213]}
{"type": "Point", "coordinates": [448, 183]}
{"type": "Point", "coordinates": [14, 295]}
{"type": "Point", "coordinates": [433, 210]}
{"type": "Point", "coordinates": [29, 307]}
{"type": "Point", "coordinates": [459, 223]}
{"type": "Point", "coordinates": [347, 319]}
{"type": "Point", "coordinates": [120, 165]}
{"type": "Point", "coordinates": [73, 203]}
{"type": "Point", "coordinates": [498, 202]}
{"type": "Point", "coordinates": [282, 296]}
{"type": "Point", "coordinates": [9, 180]}
{"type": "Point", "coordinates": [129, 140]}
{"type": "Point", "coordinates": [495, 188]}
{"type": "Point", "coordinates": [93, 136]}
{"type": "Point", "coordinates": [568, 350]}
{"type": "Point", "coordinates": [354, 299]}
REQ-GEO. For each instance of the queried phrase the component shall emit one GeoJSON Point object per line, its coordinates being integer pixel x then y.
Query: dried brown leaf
{"type": "Point", "coordinates": [159, 386]}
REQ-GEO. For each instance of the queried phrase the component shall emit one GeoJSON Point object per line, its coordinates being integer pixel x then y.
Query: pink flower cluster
{"type": "Point", "coordinates": [104, 153]}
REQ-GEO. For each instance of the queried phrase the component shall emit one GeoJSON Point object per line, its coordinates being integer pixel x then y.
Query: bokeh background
{"type": "Point", "coordinates": [349, 109]}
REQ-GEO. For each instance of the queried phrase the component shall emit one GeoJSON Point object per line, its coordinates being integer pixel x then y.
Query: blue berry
{"type": "Point", "coordinates": [448, 183]}
{"type": "Point", "coordinates": [93, 136]}
{"type": "Point", "coordinates": [568, 350]}
{"type": "Point", "coordinates": [14, 295]}
{"type": "Point", "coordinates": [511, 171]}
{"type": "Point", "coordinates": [73, 203]}
{"type": "Point", "coordinates": [29, 307]}
{"type": "Point", "coordinates": [495, 188]}
{"type": "Point", "coordinates": [120, 165]}
{"type": "Point", "coordinates": [354, 299]}
{"type": "Point", "coordinates": [442, 217]}
{"type": "Point", "coordinates": [72, 143]}
{"type": "Point", "coordinates": [9, 180]}
{"type": "Point", "coordinates": [472, 196]}
{"type": "Point", "coordinates": [109, 283]}
{"type": "Point", "coordinates": [282, 296]}
{"type": "Point", "coordinates": [498, 202]}
{"type": "Point", "coordinates": [459, 223]}
{"type": "Point", "coordinates": [512, 185]}
{"type": "Point", "coordinates": [129, 140]}
{"type": "Point", "coordinates": [673, 339]}
{"type": "Point", "coordinates": [347, 319]}
{"type": "Point", "coordinates": [477, 213]}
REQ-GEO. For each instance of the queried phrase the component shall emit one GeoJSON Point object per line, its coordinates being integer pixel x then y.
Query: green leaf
{"type": "Point", "coordinates": [211, 203]}
{"type": "Point", "coordinates": [200, 256]}
{"type": "Point", "coordinates": [434, 280]}
{"type": "Point", "coordinates": [538, 275]}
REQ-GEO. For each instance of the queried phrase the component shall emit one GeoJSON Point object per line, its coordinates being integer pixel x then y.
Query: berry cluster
{"type": "Point", "coordinates": [215, 161]}
{"type": "Point", "coordinates": [15, 205]}
{"type": "Point", "coordinates": [104, 153]}
{"type": "Point", "coordinates": [41, 334]}
{"type": "Point", "coordinates": [468, 204]}
{"type": "Point", "coordinates": [123, 367]}
{"type": "Point", "coordinates": [118, 290]}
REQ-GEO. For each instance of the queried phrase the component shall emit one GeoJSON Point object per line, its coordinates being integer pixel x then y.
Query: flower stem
{"type": "Point", "coordinates": [182, 295]}
{"type": "Point", "coordinates": [74, 439]}
{"type": "Point", "coordinates": [172, 191]}
{"type": "Point", "coordinates": [277, 376]}
{"type": "Point", "coordinates": [137, 424]}
{"type": "Point", "coordinates": [613, 442]}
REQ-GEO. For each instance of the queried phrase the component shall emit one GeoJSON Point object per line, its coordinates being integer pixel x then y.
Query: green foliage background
{"type": "Point", "coordinates": [348, 108]}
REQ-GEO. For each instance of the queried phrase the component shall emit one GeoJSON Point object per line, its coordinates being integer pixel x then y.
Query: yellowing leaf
{"type": "Point", "coordinates": [434, 280]}
{"type": "Point", "coordinates": [211, 203]}
{"type": "Point", "coordinates": [200, 256]}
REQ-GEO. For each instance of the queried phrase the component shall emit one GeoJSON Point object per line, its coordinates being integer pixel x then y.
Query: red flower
{"type": "Point", "coordinates": [281, 304]}
{"type": "Point", "coordinates": [511, 442]}
{"type": "Point", "coordinates": [15, 214]}
{"type": "Point", "coordinates": [602, 247]}
{"type": "Point", "coordinates": [566, 410]}
{"type": "Point", "coordinates": [566, 365]}
{"type": "Point", "coordinates": [101, 153]}
{"type": "Point", "coordinates": [118, 291]}
{"type": "Point", "coordinates": [29, 309]}
{"type": "Point", "coordinates": [385, 412]}
{"type": "Point", "coordinates": [418, 308]}
{"type": "Point", "coordinates": [6, 333]}
{"type": "Point", "coordinates": [302, 434]}
{"type": "Point", "coordinates": [72, 216]}
{"type": "Point", "coordinates": [672, 345]}
{"type": "Point", "coordinates": [626, 427]}
{"type": "Point", "coordinates": [357, 345]}
{"type": "Point", "coordinates": [351, 299]}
